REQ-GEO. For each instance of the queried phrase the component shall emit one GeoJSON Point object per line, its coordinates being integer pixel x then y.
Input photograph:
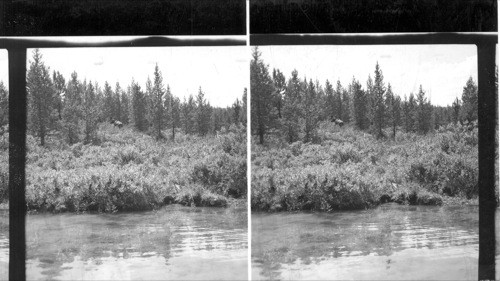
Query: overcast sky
{"type": "Point", "coordinates": [442, 70]}
{"type": "Point", "coordinates": [222, 72]}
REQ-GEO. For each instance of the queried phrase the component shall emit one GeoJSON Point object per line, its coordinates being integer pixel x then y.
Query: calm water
{"type": "Point", "coordinates": [389, 242]}
{"type": "Point", "coordinates": [172, 243]}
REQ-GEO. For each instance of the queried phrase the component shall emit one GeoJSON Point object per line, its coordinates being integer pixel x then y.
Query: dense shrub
{"type": "Point", "coordinates": [350, 169]}
{"type": "Point", "coordinates": [131, 171]}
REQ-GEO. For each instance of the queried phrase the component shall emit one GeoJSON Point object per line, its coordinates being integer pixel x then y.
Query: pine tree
{"type": "Point", "coordinates": [412, 108]}
{"type": "Point", "coordinates": [393, 109]}
{"type": "Point", "coordinates": [469, 101]}
{"type": "Point", "coordinates": [158, 107]}
{"type": "Point", "coordinates": [149, 98]}
{"type": "Point", "coordinates": [346, 105]}
{"type": "Point", "coordinates": [378, 96]}
{"type": "Point", "coordinates": [360, 105]}
{"type": "Point", "coordinates": [338, 107]}
{"type": "Point", "coordinates": [236, 108]}
{"type": "Point", "coordinates": [279, 83]}
{"type": "Point", "coordinates": [72, 109]}
{"type": "Point", "coordinates": [42, 115]}
{"type": "Point", "coordinates": [262, 114]}
{"type": "Point", "coordinates": [139, 107]}
{"type": "Point", "coordinates": [243, 115]}
{"type": "Point", "coordinates": [203, 114]}
{"type": "Point", "coordinates": [189, 115]}
{"type": "Point", "coordinates": [90, 113]}
{"type": "Point", "coordinates": [311, 113]}
{"type": "Point", "coordinates": [422, 113]}
{"type": "Point", "coordinates": [456, 110]}
{"type": "Point", "coordinates": [175, 118]}
{"type": "Point", "coordinates": [118, 103]}
{"type": "Point", "coordinates": [292, 107]}
{"type": "Point", "coordinates": [60, 88]}
{"type": "Point", "coordinates": [109, 103]}
{"type": "Point", "coordinates": [370, 100]}
{"type": "Point", "coordinates": [330, 101]}
{"type": "Point", "coordinates": [125, 105]}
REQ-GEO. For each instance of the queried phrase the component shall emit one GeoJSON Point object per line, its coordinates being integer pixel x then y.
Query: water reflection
{"type": "Point", "coordinates": [173, 243]}
{"type": "Point", "coordinates": [388, 242]}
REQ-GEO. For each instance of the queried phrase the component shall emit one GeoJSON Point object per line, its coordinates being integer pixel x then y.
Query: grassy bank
{"type": "Point", "coordinates": [131, 171]}
{"type": "Point", "coordinates": [349, 169]}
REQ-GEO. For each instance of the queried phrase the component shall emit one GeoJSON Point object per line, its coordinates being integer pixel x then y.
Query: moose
{"type": "Point", "coordinates": [116, 123]}
{"type": "Point", "coordinates": [338, 122]}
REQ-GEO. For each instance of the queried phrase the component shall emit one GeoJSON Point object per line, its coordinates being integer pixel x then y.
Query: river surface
{"type": "Point", "coordinates": [388, 242]}
{"type": "Point", "coordinates": [169, 244]}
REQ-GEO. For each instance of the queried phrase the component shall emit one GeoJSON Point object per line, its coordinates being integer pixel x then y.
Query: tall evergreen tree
{"type": "Point", "coordinates": [360, 105]}
{"type": "Point", "coordinates": [60, 88]}
{"type": "Point", "coordinates": [279, 83]}
{"type": "Point", "coordinates": [72, 109]}
{"type": "Point", "coordinates": [330, 101]}
{"type": "Point", "coordinates": [175, 117]}
{"type": "Point", "coordinates": [262, 115]}
{"type": "Point", "coordinates": [469, 101]}
{"type": "Point", "coordinates": [125, 106]}
{"type": "Point", "coordinates": [109, 103]}
{"type": "Point", "coordinates": [394, 109]}
{"type": "Point", "coordinates": [346, 106]}
{"type": "Point", "coordinates": [292, 107]}
{"type": "Point", "coordinates": [236, 108]}
{"type": "Point", "coordinates": [423, 114]}
{"type": "Point", "coordinates": [243, 115]}
{"type": "Point", "coordinates": [370, 100]}
{"type": "Point", "coordinates": [149, 100]}
{"type": "Point", "coordinates": [203, 114]}
{"type": "Point", "coordinates": [378, 96]}
{"type": "Point", "coordinates": [456, 110]}
{"type": "Point", "coordinates": [139, 107]}
{"type": "Point", "coordinates": [311, 112]}
{"type": "Point", "coordinates": [118, 103]}
{"type": "Point", "coordinates": [158, 107]}
{"type": "Point", "coordinates": [90, 113]}
{"type": "Point", "coordinates": [41, 98]}
{"type": "Point", "coordinates": [338, 107]}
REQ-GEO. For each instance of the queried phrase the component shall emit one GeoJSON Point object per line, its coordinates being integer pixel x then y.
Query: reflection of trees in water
{"type": "Point", "coordinates": [58, 239]}
{"type": "Point", "coordinates": [310, 238]}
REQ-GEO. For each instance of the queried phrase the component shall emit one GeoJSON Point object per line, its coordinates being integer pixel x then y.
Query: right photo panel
{"type": "Point", "coordinates": [364, 162]}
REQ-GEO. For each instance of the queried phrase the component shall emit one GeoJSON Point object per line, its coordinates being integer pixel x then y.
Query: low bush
{"type": "Point", "coordinates": [350, 169]}
{"type": "Point", "coordinates": [130, 171]}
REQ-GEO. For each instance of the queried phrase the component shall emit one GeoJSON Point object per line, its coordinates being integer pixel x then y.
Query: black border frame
{"type": "Point", "coordinates": [487, 114]}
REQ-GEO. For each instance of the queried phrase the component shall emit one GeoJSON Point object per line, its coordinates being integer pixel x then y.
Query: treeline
{"type": "Point", "coordinates": [294, 107]}
{"type": "Point", "coordinates": [74, 108]}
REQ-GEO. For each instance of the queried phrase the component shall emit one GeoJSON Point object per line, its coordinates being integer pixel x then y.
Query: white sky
{"type": "Point", "coordinates": [222, 72]}
{"type": "Point", "coordinates": [442, 70]}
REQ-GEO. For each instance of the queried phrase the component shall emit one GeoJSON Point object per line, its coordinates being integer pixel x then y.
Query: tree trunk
{"type": "Point", "coordinates": [394, 131]}
{"type": "Point", "coordinates": [42, 136]}
{"type": "Point", "coordinates": [261, 136]}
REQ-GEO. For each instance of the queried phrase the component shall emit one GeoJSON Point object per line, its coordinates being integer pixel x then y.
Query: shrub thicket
{"type": "Point", "coordinates": [131, 171]}
{"type": "Point", "coordinates": [351, 169]}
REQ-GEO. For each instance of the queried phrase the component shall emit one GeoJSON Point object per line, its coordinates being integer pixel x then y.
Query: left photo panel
{"type": "Point", "coordinates": [135, 164]}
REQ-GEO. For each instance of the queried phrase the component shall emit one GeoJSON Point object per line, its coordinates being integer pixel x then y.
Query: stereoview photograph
{"type": "Point", "coordinates": [364, 162]}
{"type": "Point", "coordinates": [136, 164]}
